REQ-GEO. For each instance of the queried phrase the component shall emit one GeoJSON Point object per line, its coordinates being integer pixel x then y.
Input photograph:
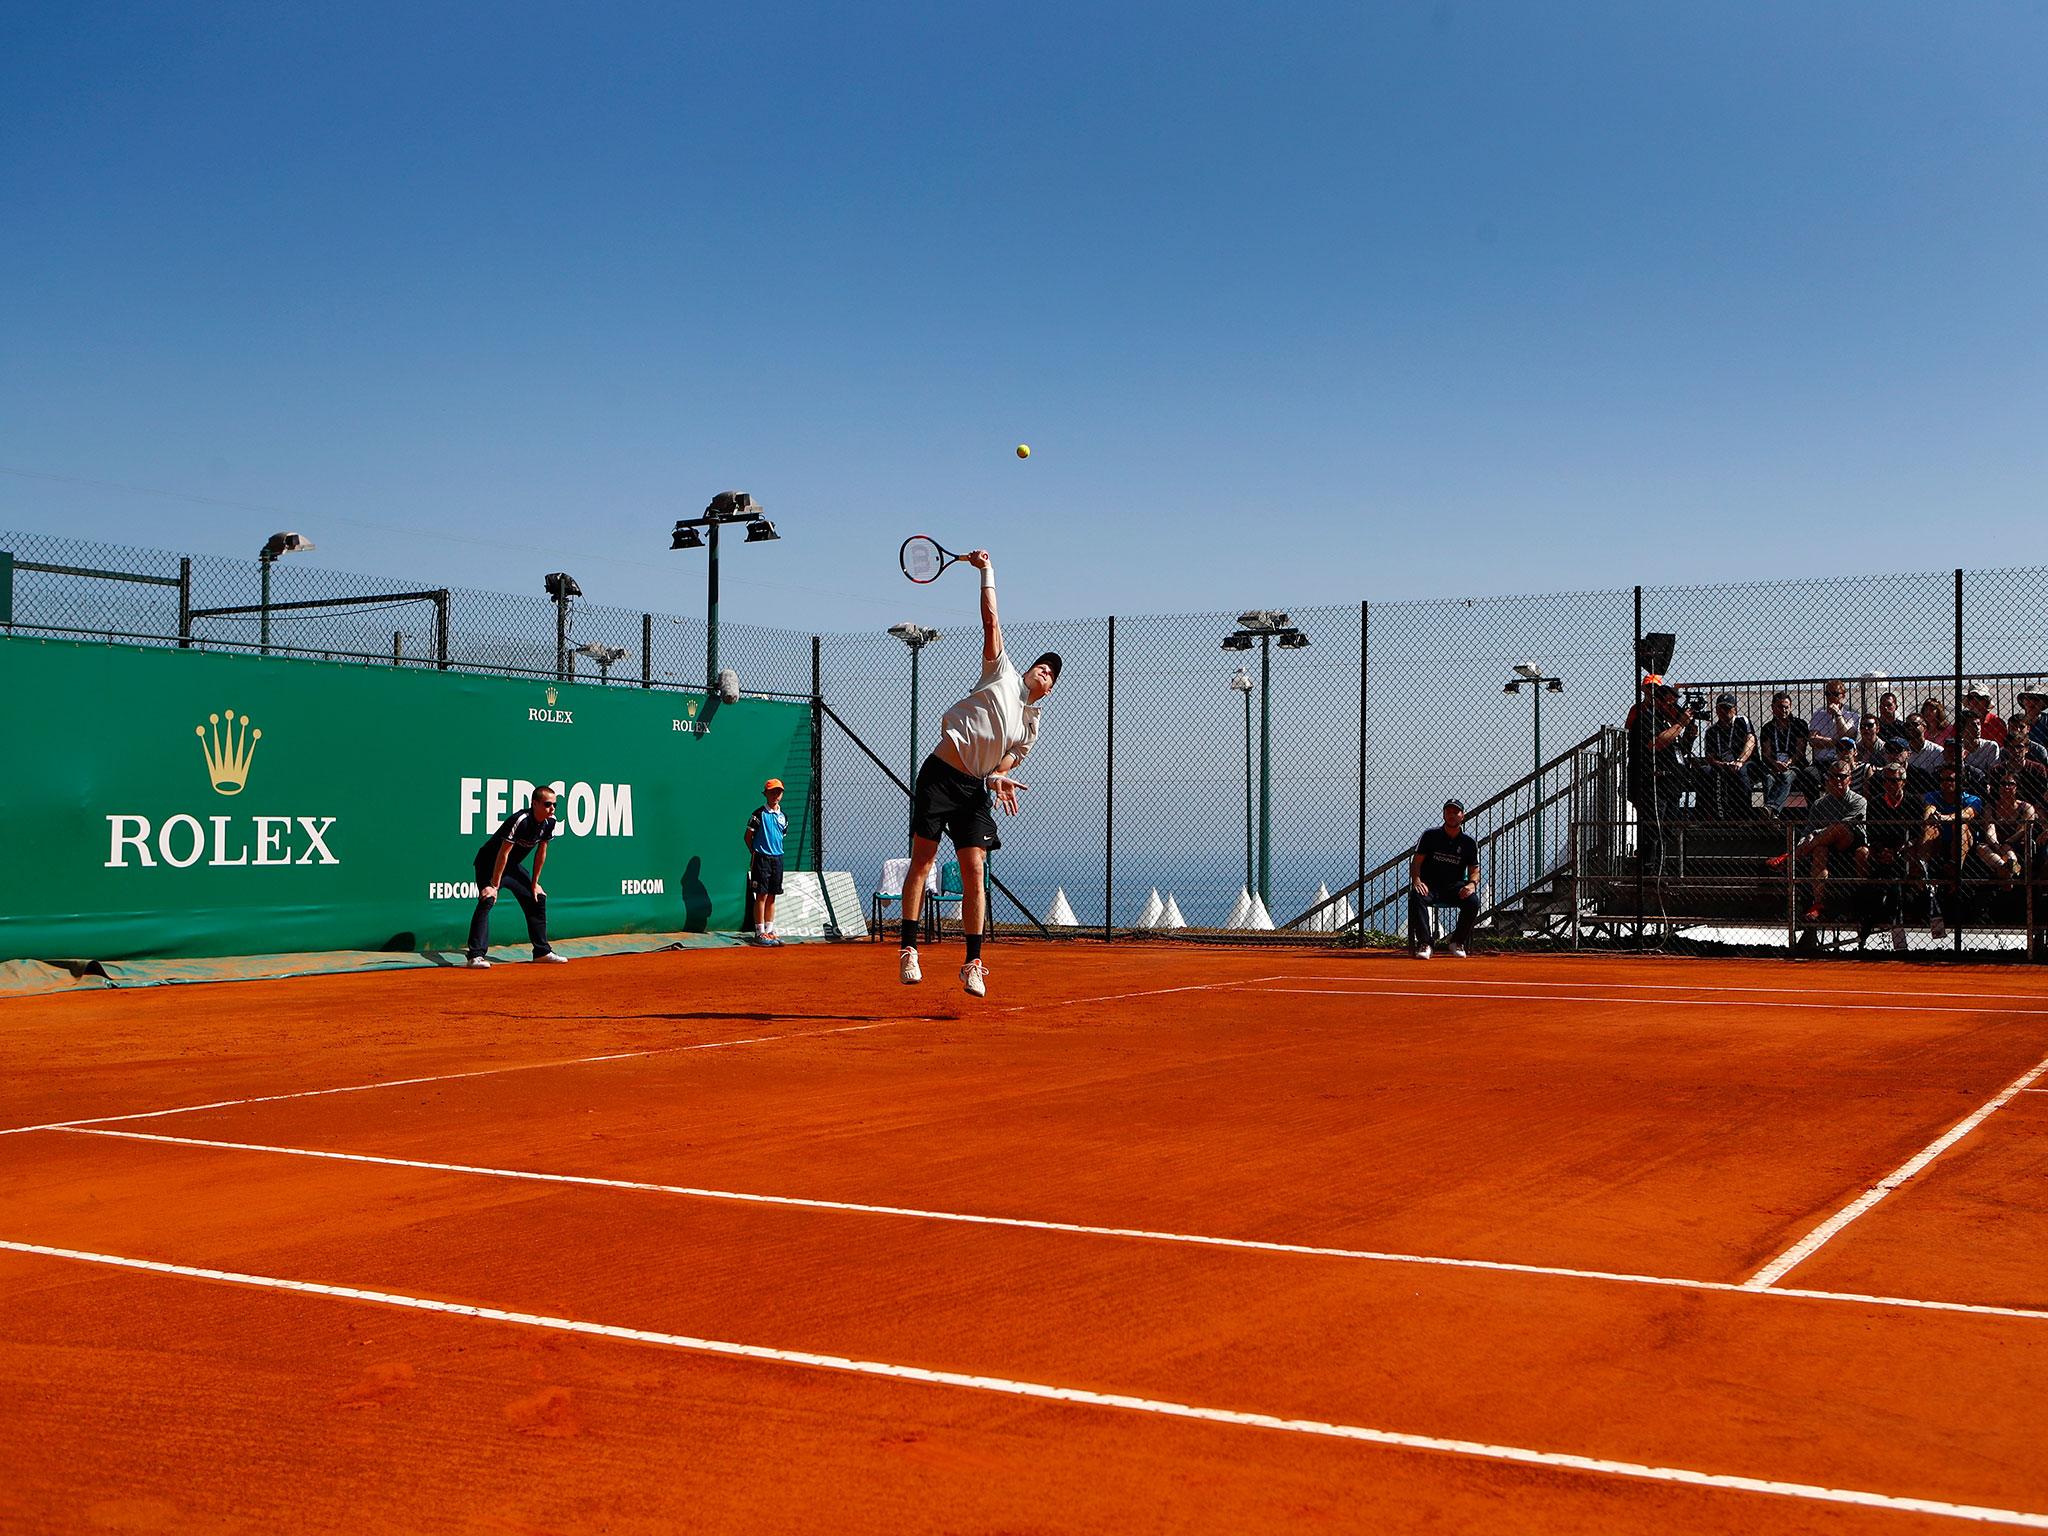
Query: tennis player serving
{"type": "Point", "coordinates": [981, 739]}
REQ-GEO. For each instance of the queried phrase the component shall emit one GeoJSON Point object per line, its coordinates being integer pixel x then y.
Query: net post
{"type": "Point", "coordinates": [1109, 793]}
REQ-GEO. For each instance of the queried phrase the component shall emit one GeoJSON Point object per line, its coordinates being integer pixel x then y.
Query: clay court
{"type": "Point", "coordinates": [1156, 1238]}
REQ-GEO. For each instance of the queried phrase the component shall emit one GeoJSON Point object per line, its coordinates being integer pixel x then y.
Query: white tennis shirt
{"type": "Point", "coordinates": [991, 723]}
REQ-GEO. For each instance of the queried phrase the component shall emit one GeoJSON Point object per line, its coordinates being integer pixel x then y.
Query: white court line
{"type": "Point", "coordinates": [577, 1061]}
{"type": "Point", "coordinates": [446, 1077]}
{"type": "Point", "coordinates": [1117, 997]}
{"type": "Point", "coordinates": [1245, 1244]}
{"type": "Point", "coordinates": [1619, 1002]}
{"type": "Point", "coordinates": [1009, 1387]}
{"type": "Point", "coordinates": [1812, 1243]}
{"type": "Point", "coordinates": [1410, 974]}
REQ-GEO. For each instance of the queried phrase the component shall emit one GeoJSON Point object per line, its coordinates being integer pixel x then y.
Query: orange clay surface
{"type": "Point", "coordinates": [1603, 1122]}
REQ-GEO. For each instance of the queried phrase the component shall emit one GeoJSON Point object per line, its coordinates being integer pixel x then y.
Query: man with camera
{"type": "Point", "coordinates": [1658, 727]}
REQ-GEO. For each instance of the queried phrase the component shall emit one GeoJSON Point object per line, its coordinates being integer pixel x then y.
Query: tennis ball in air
{"type": "Point", "coordinates": [1023, 450]}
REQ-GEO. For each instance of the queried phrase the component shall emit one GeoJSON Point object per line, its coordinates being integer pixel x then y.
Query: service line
{"type": "Point", "coordinates": [1617, 1002]}
{"type": "Point", "coordinates": [1078, 1396]}
{"type": "Point", "coordinates": [1034, 1224]}
{"type": "Point", "coordinates": [1412, 974]}
{"type": "Point", "coordinates": [1828, 1230]}
{"type": "Point", "coordinates": [449, 1077]}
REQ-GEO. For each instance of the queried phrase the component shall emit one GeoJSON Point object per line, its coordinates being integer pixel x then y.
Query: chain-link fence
{"type": "Point", "coordinates": [1218, 774]}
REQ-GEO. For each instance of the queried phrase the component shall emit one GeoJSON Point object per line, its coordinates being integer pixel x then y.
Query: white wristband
{"type": "Point", "coordinates": [988, 577]}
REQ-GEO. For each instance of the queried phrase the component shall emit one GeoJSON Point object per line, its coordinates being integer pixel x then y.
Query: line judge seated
{"type": "Point", "coordinates": [1443, 873]}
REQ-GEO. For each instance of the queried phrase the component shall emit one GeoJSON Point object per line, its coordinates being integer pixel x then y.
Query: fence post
{"type": "Point", "coordinates": [1955, 742]}
{"type": "Point", "coordinates": [441, 629]}
{"type": "Point", "coordinates": [184, 602]}
{"type": "Point", "coordinates": [1635, 663]}
{"type": "Point", "coordinates": [647, 654]}
{"type": "Point", "coordinates": [818, 759]}
{"type": "Point", "coordinates": [1791, 889]}
{"type": "Point", "coordinates": [1109, 795]}
{"type": "Point", "coordinates": [397, 647]}
{"type": "Point", "coordinates": [1364, 635]}
{"type": "Point", "coordinates": [2028, 875]}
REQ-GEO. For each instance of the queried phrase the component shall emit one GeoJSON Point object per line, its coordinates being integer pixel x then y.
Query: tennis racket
{"type": "Point", "coordinates": [924, 558]}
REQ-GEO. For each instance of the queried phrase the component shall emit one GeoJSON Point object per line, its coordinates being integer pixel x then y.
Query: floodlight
{"type": "Point", "coordinates": [283, 544]}
{"type": "Point", "coordinates": [1512, 688]}
{"type": "Point", "coordinates": [913, 635]}
{"type": "Point", "coordinates": [761, 531]}
{"type": "Point", "coordinates": [1292, 640]}
{"type": "Point", "coordinates": [1553, 685]}
{"type": "Point", "coordinates": [1263, 620]}
{"type": "Point", "coordinates": [561, 586]}
{"type": "Point", "coordinates": [1237, 642]}
{"type": "Point", "coordinates": [686, 538]}
{"type": "Point", "coordinates": [1241, 682]}
{"type": "Point", "coordinates": [603, 655]}
{"type": "Point", "coordinates": [1530, 670]}
{"type": "Point", "coordinates": [735, 505]}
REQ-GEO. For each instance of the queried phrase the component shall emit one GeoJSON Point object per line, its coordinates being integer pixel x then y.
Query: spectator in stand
{"type": "Point", "coordinates": [1657, 729]}
{"type": "Point", "coordinates": [1859, 771]}
{"type": "Point", "coordinates": [1979, 757]}
{"type": "Point", "coordinates": [2035, 706]}
{"type": "Point", "coordinates": [1726, 771]}
{"type": "Point", "coordinates": [1891, 725]}
{"type": "Point", "coordinates": [1977, 702]}
{"type": "Point", "coordinates": [1869, 746]}
{"type": "Point", "coordinates": [2009, 829]}
{"type": "Point", "coordinates": [2026, 761]}
{"type": "Point", "coordinates": [1935, 718]}
{"type": "Point", "coordinates": [1923, 760]}
{"type": "Point", "coordinates": [1832, 723]}
{"type": "Point", "coordinates": [1895, 828]}
{"type": "Point", "coordinates": [1948, 836]}
{"type": "Point", "coordinates": [1836, 825]}
{"type": "Point", "coordinates": [1781, 746]}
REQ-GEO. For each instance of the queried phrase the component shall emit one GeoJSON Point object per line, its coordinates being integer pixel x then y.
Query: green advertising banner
{"type": "Point", "coordinates": [174, 803]}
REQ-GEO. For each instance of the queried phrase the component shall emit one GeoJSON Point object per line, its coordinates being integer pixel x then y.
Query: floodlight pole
{"type": "Point", "coordinates": [266, 561]}
{"type": "Point", "coordinates": [1266, 769]}
{"type": "Point", "coordinates": [1247, 787]}
{"type": "Point", "coordinates": [711, 615]}
{"type": "Point", "coordinates": [916, 655]}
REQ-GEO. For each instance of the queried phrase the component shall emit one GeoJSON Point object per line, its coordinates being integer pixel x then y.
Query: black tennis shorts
{"type": "Point", "coordinates": [949, 803]}
{"type": "Point", "coordinates": [767, 874]}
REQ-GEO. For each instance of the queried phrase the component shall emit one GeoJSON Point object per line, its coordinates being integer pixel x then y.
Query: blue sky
{"type": "Point", "coordinates": [1295, 304]}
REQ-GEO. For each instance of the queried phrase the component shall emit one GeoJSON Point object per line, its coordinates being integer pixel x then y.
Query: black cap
{"type": "Point", "coordinates": [1726, 698]}
{"type": "Point", "coordinates": [1455, 805]}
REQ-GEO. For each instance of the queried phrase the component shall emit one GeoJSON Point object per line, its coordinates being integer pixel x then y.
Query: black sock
{"type": "Point", "coordinates": [973, 947]}
{"type": "Point", "coordinates": [910, 933]}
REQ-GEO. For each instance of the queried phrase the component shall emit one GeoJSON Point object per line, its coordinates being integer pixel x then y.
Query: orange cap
{"type": "Point", "coordinates": [1652, 679]}
{"type": "Point", "coordinates": [771, 784]}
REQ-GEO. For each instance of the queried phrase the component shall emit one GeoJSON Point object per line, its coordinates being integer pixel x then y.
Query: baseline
{"type": "Point", "coordinates": [1409, 975]}
{"type": "Point", "coordinates": [1079, 1396]}
{"type": "Point", "coordinates": [1082, 1229]}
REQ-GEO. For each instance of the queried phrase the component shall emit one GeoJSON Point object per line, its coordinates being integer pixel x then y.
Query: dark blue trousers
{"type": "Point", "coordinates": [534, 905]}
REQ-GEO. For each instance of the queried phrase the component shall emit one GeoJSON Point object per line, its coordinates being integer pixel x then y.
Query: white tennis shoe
{"type": "Point", "coordinates": [908, 968]}
{"type": "Point", "coordinates": [478, 963]}
{"type": "Point", "coordinates": [974, 977]}
{"type": "Point", "coordinates": [551, 958]}
{"type": "Point", "coordinates": [1422, 951]}
{"type": "Point", "coordinates": [1457, 950]}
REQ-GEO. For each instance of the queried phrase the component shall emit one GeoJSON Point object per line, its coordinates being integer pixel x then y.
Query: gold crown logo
{"type": "Point", "coordinates": [691, 709]}
{"type": "Point", "coordinates": [553, 693]}
{"type": "Point", "coordinates": [228, 752]}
